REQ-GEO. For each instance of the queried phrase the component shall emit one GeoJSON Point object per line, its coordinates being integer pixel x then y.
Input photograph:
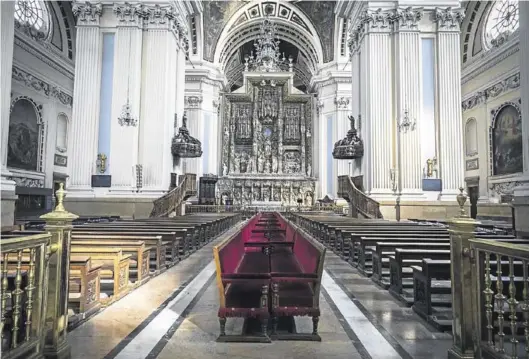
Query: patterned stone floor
{"type": "Point", "coordinates": [174, 315]}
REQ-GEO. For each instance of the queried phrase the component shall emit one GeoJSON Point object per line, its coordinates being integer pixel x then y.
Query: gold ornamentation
{"type": "Point", "coordinates": [122, 277]}
{"type": "Point", "coordinates": [101, 162]}
{"type": "Point", "coordinates": [91, 291]}
{"type": "Point", "coordinates": [461, 199]}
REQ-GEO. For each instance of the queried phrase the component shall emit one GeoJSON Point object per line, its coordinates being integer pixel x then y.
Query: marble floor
{"type": "Point", "coordinates": [174, 315]}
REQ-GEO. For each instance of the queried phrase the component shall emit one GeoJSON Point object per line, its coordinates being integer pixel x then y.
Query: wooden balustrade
{"type": "Point", "coordinates": [360, 202]}
{"type": "Point", "coordinates": [172, 200]}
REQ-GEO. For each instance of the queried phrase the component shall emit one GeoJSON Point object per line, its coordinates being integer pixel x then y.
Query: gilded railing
{"type": "Point", "coordinates": [24, 290]}
{"type": "Point", "coordinates": [501, 293]}
{"type": "Point", "coordinates": [360, 202]}
{"type": "Point", "coordinates": [202, 208]}
{"type": "Point", "coordinates": [171, 201]}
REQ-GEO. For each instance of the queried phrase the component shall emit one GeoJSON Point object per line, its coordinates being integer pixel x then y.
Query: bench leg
{"type": "Point", "coordinates": [315, 321]}
{"type": "Point", "coordinates": [264, 327]}
{"type": "Point", "coordinates": [222, 322]}
{"type": "Point", "coordinates": [275, 320]}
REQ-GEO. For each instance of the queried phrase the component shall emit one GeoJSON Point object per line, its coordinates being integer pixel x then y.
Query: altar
{"type": "Point", "coordinates": [267, 133]}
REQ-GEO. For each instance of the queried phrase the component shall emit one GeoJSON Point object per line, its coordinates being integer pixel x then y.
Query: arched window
{"type": "Point", "coordinates": [471, 137]}
{"type": "Point", "coordinates": [62, 133]}
{"type": "Point", "coordinates": [26, 135]}
{"type": "Point", "coordinates": [506, 139]}
{"type": "Point", "coordinates": [502, 21]}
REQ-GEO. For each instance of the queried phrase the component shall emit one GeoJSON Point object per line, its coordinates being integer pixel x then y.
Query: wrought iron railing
{"type": "Point", "coordinates": [172, 200]}
{"type": "Point", "coordinates": [360, 202]}
{"type": "Point", "coordinates": [24, 284]}
{"type": "Point", "coordinates": [501, 295]}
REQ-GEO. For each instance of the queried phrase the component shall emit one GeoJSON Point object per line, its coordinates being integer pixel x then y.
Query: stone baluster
{"type": "Point", "coordinates": [59, 224]}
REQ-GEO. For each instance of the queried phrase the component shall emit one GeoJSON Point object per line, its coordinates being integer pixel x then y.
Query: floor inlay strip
{"type": "Point", "coordinates": [154, 331]}
{"type": "Point", "coordinates": [372, 340]}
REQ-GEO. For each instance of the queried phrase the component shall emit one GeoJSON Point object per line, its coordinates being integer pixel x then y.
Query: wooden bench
{"type": "Point", "coordinates": [247, 269]}
{"type": "Point", "coordinates": [84, 287]}
{"type": "Point", "coordinates": [114, 267]}
{"type": "Point", "coordinates": [155, 262]}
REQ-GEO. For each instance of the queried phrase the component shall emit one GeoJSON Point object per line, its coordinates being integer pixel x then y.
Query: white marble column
{"type": "Point", "coordinates": [451, 156]}
{"type": "Point", "coordinates": [356, 165]}
{"type": "Point", "coordinates": [7, 37]}
{"type": "Point", "coordinates": [126, 86]}
{"type": "Point", "coordinates": [408, 97]}
{"type": "Point", "coordinates": [378, 116]}
{"type": "Point", "coordinates": [158, 98]}
{"type": "Point", "coordinates": [85, 113]}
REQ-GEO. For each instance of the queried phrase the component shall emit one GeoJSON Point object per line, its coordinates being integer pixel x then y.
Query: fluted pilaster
{"type": "Point", "coordinates": [340, 128]}
{"type": "Point", "coordinates": [158, 107]}
{"type": "Point", "coordinates": [7, 38]}
{"type": "Point", "coordinates": [127, 86]}
{"type": "Point", "coordinates": [378, 111]}
{"type": "Point", "coordinates": [451, 167]}
{"type": "Point", "coordinates": [85, 113]}
{"type": "Point", "coordinates": [524, 81]}
{"type": "Point", "coordinates": [408, 99]}
{"type": "Point", "coordinates": [193, 109]}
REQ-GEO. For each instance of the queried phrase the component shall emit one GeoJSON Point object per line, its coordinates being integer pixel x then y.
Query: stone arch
{"type": "Point", "coordinates": [26, 140]}
{"type": "Point", "coordinates": [292, 26]}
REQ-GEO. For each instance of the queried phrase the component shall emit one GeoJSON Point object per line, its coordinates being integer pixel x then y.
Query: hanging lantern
{"type": "Point", "coordinates": [184, 145]}
{"type": "Point", "coordinates": [351, 147]}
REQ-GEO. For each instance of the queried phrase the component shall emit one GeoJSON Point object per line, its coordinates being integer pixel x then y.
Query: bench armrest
{"type": "Point", "coordinates": [238, 276]}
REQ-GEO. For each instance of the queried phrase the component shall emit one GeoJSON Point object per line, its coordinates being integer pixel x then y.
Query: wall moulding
{"type": "Point", "coordinates": [495, 90]}
{"type": "Point", "coordinates": [42, 87]}
{"type": "Point", "coordinates": [192, 101]}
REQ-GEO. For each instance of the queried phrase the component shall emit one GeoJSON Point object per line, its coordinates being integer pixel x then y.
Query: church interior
{"type": "Point", "coordinates": [264, 178]}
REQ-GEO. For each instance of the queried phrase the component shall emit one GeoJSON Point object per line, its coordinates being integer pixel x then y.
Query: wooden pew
{"type": "Point", "coordinates": [139, 254]}
{"type": "Point", "coordinates": [156, 262]}
{"type": "Point", "coordinates": [114, 266]}
{"type": "Point", "coordinates": [84, 289]}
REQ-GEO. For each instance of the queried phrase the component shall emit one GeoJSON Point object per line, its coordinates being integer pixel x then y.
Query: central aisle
{"type": "Point", "coordinates": [358, 320]}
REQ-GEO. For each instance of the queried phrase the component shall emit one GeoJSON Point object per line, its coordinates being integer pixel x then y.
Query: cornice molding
{"type": "Point", "coordinates": [42, 87]}
{"type": "Point", "coordinates": [489, 59]}
{"type": "Point", "coordinates": [55, 62]}
{"type": "Point", "coordinates": [500, 87]}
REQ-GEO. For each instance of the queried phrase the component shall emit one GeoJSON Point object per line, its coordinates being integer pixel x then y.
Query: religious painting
{"type": "Point", "coordinates": [506, 139]}
{"type": "Point", "coordinates": [24, 130]}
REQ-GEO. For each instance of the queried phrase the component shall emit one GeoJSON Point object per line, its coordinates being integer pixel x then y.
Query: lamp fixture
{"type": "Point", "coordinates": [406, 124]}
{"type": "Point", "coordinates": [126, 118]}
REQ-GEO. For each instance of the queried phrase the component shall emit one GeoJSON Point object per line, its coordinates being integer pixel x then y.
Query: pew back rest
{"type": "Point", "coordinates": [307, 253]}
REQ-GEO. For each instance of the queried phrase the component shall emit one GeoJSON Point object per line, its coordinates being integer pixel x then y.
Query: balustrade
{"type": "Point", "coordinates": [172, 200]}
{"type": "Point", "coordinates": [360, 202]}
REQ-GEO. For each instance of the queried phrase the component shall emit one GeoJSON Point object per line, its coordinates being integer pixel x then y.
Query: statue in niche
{"type": "Point", "coordinates": [285, 196]}
{"type": "Point", "coordinates": [277, 197]}
{"type": "Point", "coordinates": [236, 160]}
{"type": "Point", "coordinates": [227, 132]}
{"type": "Point", "coordinates": [247, 194]}
{"type": "Point", "coordinates": [224, 169]}
{"type": "Point", "coordinates": [260, 162]}
{"type": "Point", "coordinates": [266, 194]}
{"type": "Point", "coordinates": [244, 163]}
{"type": "Point", "coordinates": [309, 170]}
{"type": "Point", "coordinates": [274, 164]}
{"type": "Point", "coordinates": [308, 199]}
{"type": "Point", "coordinates": [255, 195]}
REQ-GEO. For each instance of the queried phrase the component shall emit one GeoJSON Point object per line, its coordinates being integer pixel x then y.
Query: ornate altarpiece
{"type": "Point", "coordinates": [267, 143]}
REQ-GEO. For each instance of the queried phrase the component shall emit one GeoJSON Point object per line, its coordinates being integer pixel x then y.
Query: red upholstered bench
{"type": "Point", "coordinates": [247, 266]}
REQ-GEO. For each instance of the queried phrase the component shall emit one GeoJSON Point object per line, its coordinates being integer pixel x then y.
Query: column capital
{"type": "Point", "coordinates": [129, 14]}
{"type": "Point", "coordinates": [407, 18]}
{"type": "Point", "coordinates": [192, 101]}
{"type": "Point", "coordinates": [342, 103]}
{"type": "Point", "coordinates": [88, 14]}
{"type": "Point", "coordinates": [448, 19]}
{"type": "Point", "coordinates": [159, 16]}
{"type": "Point", "coordinates": [376, 20]}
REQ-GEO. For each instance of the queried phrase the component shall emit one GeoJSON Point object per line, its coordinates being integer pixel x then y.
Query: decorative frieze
{"type": "Point", "coordinates": [342, 103]}
{"type": "Point", "coordinates": [192, 101]}
{"type": "Point", "coordinates": [87, 14]}
{"type": "Point", "coordinates": [27, 182]}
{"type": "Point", "coordinates": [128, 14]}
{"type": "Point", "coordinates": [319, 107]}
{"type": "Point", "coordinates": [505, 188]}
{"type": "Point", "coordinates": [511, 82]}
{"type": "Point", "coordinates": [449, 18]}
{"type": "Point", "coordinates": [41, 86]}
